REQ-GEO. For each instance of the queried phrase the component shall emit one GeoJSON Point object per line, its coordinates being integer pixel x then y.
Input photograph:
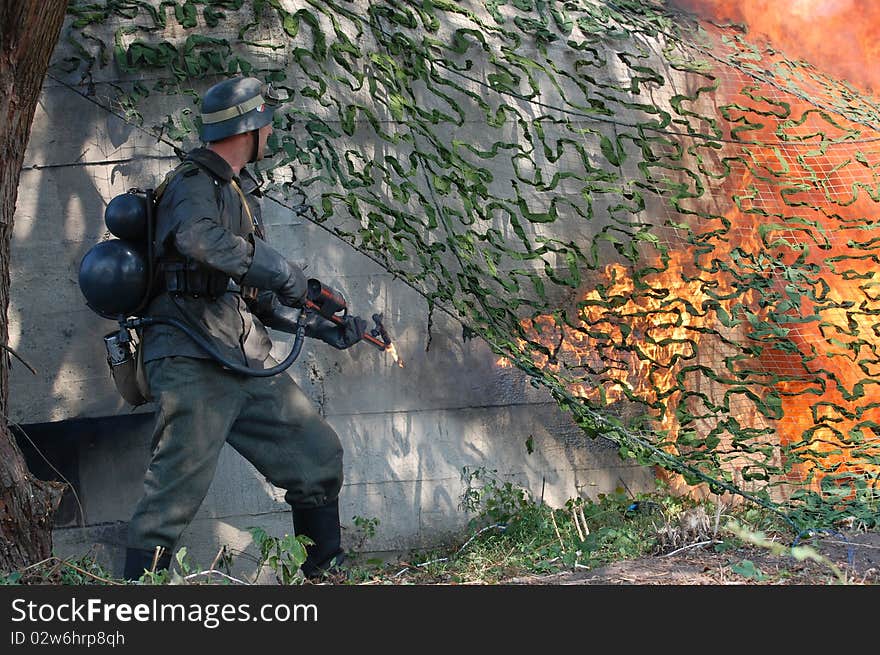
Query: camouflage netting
{"type": "Point", "coordinates": [669, 228]}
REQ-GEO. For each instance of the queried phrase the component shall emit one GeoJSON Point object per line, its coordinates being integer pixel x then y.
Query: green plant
{"type": "Point", "coordinates": [282, 555]}
{"type": "Point", "coordinates": [83, 570]}
{"type": "Point", "coordinates": [747, 569]}
{"type": "Point", "coordinates": [159, 577]}
{"type": "Point", "coordinates": [529, 535]}
{"type": "Point", "coordinates": [170, 576]}
{"type": "Point", "coordinates": [491, 498]}
{"type": "Point", "coordinates": [366, 529]}
{"type": "Point", "coordinates": [12, 578]}
{"type": "Point", "coordinates": [55, 570]}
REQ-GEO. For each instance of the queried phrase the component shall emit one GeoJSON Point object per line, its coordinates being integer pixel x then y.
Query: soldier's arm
{"type": "Point", "coordinates": [249, 261]}
{"type": "Point", "coordinates": [196, 230]}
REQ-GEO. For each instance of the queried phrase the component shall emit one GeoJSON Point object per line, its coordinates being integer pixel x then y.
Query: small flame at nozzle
{"type": "Point", "coordinates": [380, 331]}
{"type": "Point", "coordinates": [391, 350]}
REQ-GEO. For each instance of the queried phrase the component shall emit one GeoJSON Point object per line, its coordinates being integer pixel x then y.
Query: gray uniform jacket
{"type": "Point", "coordinates": [200, 218]}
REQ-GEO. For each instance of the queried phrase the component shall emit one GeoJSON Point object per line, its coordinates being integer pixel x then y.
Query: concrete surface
{"type": "Point", "coordinates": [409, 433]}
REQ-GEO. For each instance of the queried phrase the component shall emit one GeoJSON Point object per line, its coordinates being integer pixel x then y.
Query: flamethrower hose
{"type": "Point", "coordinates": [205, 345]}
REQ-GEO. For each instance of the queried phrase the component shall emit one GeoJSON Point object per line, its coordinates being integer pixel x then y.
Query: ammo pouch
{"type": "Point", "coordinates": [188, 278]}
{"type": "Point", "coordinates": [127, 368]}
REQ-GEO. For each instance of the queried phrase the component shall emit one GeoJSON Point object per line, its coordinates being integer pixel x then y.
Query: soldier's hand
{"type": "Point", "coordinates": [339, 336]}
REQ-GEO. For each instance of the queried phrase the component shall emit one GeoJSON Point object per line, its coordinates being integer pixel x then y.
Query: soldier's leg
{"type": "Point", "coordinates": [283, 435]}
{"type": "Point", "coordinates": [197, 406]}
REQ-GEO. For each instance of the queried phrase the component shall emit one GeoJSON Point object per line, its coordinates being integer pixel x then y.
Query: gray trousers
{"type": "Point", "coordinates": [270, 421]}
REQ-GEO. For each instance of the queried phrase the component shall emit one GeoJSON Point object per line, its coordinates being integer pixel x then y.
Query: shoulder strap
{"type": "Point", "coordinates": [185, 167]}
{"type": "Point", "coordinates": [182, 167]}
{"type": "Point", "coordinates": [252, 223]}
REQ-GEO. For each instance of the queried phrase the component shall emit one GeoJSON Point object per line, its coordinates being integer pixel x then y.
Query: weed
{"type": "Point", "coordinates": [282, 555]}
{"type": "Point", "coordinates": [515, 534]}
{"type": "Point", "coordinates": [171, 576]}
{"type": "Point", "coordinates": [13, 578]}
{"type": "Point", "coordinates": [747, 569]}
{"type": "Point", "coordinates": [83, 570]}
{"type": "Point", "coordinates": [54, 570]}
{"type": "Point", "coordinates": [366, 529]}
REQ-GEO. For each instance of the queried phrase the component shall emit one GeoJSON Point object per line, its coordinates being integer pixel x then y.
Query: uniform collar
{"type": "Point", "coordinates": [210, 160]}
{"type": "Point", "coordinates": [249, 184]}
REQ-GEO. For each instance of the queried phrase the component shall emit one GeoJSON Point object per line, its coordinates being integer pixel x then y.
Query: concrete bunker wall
{"type": "Point", "coordinates": [408, 432]}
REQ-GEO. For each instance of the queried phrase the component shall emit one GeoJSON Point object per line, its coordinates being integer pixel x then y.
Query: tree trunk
{"type": "Point", "coordinates": [28, 32]}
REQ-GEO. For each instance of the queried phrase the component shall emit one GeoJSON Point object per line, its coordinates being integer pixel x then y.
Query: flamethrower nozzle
{"type": "Point", "coordinates": [328, 302]}
{"type": "Point", "coordinates": [378, 336]}
{"type": "Point", "coordinates": [380, 331]}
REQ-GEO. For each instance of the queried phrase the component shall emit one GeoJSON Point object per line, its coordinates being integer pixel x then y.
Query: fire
{"type": "Point", "coordinates": [391, 350]}
{"type": "Point", "coordinates": [782, 309]}
{"type": "Point", "coordinates": [826, 381]}
{"type": "Point", "coordinates": [840, 37]}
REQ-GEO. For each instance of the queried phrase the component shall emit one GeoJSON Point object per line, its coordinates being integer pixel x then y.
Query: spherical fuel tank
{"type": "Point", "coordinates": [126, 217]}
{"type": "Point", "coordinates": [113, 277]}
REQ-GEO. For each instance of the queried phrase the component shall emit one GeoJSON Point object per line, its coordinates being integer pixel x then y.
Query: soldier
{"type": "Point", "coordinates": [217, 273]}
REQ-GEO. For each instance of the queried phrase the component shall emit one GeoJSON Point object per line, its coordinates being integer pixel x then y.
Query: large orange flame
{"type": "Point", "coordinates": [827, 416]}
{"type": "Point", "coordinates": [812, 218]}
{"type": "Point", "coordinates": [839, 37]}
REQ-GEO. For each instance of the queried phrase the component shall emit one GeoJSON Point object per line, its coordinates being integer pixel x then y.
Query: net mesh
{"type": "Point", "coordinates": [669, 227]}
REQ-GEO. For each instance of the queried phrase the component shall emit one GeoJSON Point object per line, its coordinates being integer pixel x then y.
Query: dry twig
{"type": "Point", "coordinates": [18, 357]}
{"type": "Point", "coordinates": [556, 527]}
{"type": "Point", "coordinates": [215, 572]}
{"type": "Point", "coordinates": [217, 558]}
{"type": "Point", "coordinates": [63, 562]}
{"type": "Point", "coordinates": [91, 575]}
{"type": "Point", "coordinates": [689, 546]}
{"type": "Point", "coordinates": [574, 517]}
{"type": "Point", "coordinates": [156, 555]}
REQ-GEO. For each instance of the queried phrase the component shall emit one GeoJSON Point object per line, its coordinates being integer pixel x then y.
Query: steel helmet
{"type": "Point", "coordinates": [235, 106]}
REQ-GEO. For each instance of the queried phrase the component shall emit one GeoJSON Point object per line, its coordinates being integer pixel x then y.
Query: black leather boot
{"type": "Point", "coordinates": [137, 560]}
{"type": "Point", "coordinates": [321, 525]}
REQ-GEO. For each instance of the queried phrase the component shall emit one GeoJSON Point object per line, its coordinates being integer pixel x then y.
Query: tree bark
{"type": "Point", "coordinates": [28, 32]}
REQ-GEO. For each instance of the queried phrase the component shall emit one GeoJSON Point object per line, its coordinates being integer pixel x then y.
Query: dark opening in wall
{"type": "Point", "coordinates": [56, 450]}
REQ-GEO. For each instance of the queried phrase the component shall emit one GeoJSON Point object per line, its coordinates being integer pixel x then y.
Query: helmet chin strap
{"type": "Point", "coordinates": [255, 151]}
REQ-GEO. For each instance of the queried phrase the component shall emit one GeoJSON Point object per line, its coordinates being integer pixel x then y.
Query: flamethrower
{"type": "Point", "coordinates": [329, 304]}
{"type": "Point", "coordinates": [116, 277]}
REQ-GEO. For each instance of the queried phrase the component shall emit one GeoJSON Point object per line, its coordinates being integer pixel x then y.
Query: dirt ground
{"type": "Point", "coordinates": [855, 555]}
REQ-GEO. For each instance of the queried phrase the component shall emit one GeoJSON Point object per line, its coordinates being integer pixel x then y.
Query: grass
{"type": "Point", "coordinates": [510, 534]}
